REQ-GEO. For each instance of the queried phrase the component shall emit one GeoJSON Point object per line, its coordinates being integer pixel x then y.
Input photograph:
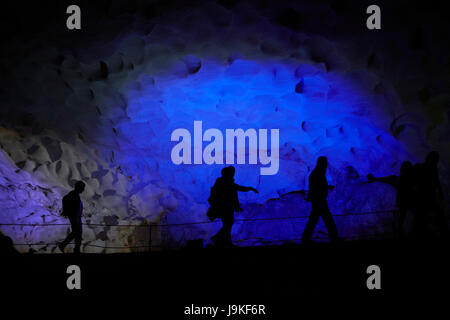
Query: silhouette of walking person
{"type": "Point", "coordinates": [73, 209]}
{"type": "Point", "coordinates": [317, 195]}
{"type": "Point", "coordinates": [224, 202]}
{"type": "Point", "coordinates": [430, 193]}
{"type": "Point", "coordinates": [405, 198]}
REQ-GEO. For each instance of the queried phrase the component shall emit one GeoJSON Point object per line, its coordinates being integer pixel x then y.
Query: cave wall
{"type": "Point", "coordinates": [100, 104]}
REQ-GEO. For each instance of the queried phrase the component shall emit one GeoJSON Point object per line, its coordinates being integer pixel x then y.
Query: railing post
{"type": "Point", "coordinates": [150, 237]}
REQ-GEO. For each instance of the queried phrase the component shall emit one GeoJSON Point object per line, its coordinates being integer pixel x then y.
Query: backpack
{"type": "Point", "coordinates": [212, 200]}
{"type": "Point", "coordinates": [66, 206]}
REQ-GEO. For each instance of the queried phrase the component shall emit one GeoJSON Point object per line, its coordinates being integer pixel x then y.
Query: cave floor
{"type": "Point", "coordinates": [278, 275]}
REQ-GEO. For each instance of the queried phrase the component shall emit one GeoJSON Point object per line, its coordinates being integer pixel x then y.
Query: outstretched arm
{"type": "Point", "coordinates": [391, 180]}
{"type": "Point", "coordinates": [302, 192]}
{"type": "Point", "coordinates": [245, 189]}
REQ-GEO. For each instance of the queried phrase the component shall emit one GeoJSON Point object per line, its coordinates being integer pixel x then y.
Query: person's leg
{"type": "Point", "coordinates": [228, 222]}
{"type": "Point", "coordinates": [70, 236]}
{"type": "Point", "coordinates": [218, 235]}
{"type": "Point", "coordinates": [441, 222]}
{"type": "Point", "coordinates": [419, 223]}
{"type": "Point", "coordinates": [329, 221]}
{"type": "Point", "coordinates": [223, 237]}
{"type": "Point", "coordinates": [311, 224]}
{"type": "Point", "coordinates": [401, 220]}
{"type": "Point", "coordinates": [78, 237]}
{"type": "Point", "coordinates": [66, 241]}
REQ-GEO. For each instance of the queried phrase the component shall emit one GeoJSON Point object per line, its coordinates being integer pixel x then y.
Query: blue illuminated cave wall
{"type": "Point", "coordinates": [101, 107]}
{"type": "Point", "coordinates": [331, 116]}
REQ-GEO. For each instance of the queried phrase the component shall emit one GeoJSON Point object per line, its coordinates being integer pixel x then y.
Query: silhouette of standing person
{"type": "Point", "coordinates": [405, 198]}
{"type": "Point", "coordinates": [430, 193]}
{"type": "Point", "coordinates": [224, 202]}
{"type": "Point", "coordinates": [73, 209]}
{"type": "Point", "coordinates": [317, 195]}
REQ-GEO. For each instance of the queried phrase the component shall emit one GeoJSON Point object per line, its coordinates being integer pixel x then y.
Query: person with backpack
{"type": "Point", "coordinates": [73, 209]}
{"type": "Point", "coordinates": [224, 202]}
